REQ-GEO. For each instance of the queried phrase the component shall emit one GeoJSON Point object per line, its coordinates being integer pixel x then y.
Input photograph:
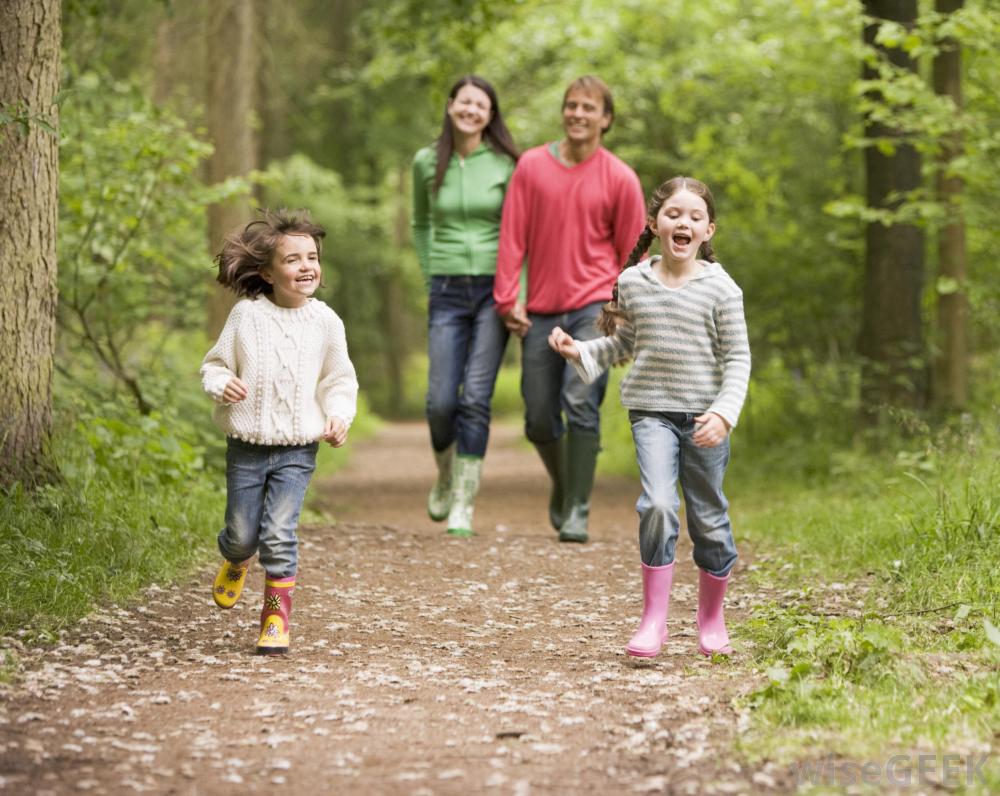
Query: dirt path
{"type": "Point", "coordinates": [420, 664]}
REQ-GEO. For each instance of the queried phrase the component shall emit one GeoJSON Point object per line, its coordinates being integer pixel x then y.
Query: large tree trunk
{"type": "Point", "coordinates": [951, 381]}
{"type": "Point", "coordinates": [894, 371]}
{"type": "Point", "coordinates": [232, 82]}
{"type": "Point", "coordinates": [30, 40]}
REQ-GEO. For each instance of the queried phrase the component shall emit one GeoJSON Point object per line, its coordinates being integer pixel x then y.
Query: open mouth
{"type": "Point", "coordinates": [305, 280]}
{"type": "Point", "coordinates": [681, 239]}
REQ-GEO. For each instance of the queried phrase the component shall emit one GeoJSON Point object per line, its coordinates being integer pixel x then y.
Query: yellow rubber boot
{"type": "Point", "coordinates": [228, 585]}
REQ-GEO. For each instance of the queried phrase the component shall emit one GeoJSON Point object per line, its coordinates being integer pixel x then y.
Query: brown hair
{"type": "Point", "coordinates": [611, 315]}
{"type": "Point", "coordinates": [591, 84]}
{"type": "Point", "coordinates": [495, 133]}
{"type": "Point", "coordinates": [249, 250]}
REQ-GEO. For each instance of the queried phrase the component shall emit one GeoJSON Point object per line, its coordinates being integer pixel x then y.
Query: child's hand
{"type": "Point", "coordinates": [335, 432]}
{"type": "Point", "coordinates": [712, 430]}
{"type": "Point", "coordinates": [235, 391]}
{"type": "Point", "coordinates": [563, 344]}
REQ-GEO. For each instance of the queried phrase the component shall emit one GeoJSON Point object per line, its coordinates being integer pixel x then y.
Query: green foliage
{"type": "Point", "coordinates": [136, 507]}
{"type": "Point", "coordinates": [889, 566]}
{"type": "Point", "coordinates": [132, 252]}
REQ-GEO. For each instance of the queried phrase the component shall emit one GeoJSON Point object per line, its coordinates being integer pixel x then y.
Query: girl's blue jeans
{"type": "Point", "coordinates": [466, 341]}
{"type": "Point", "coordinates": [265, 487]}
{"type": "Point", "coordinates": [551, 386]}
{"type": "Point", "coordinates": [667, 454]}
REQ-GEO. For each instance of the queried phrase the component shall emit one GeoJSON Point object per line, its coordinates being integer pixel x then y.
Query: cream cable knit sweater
{"type": "Point", "coordinates": [295, 365]}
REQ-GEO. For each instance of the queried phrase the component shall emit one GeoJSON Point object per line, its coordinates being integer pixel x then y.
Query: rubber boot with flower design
{"type": "Point", "coordinates": [228, 585]}
{"type": "Point", "coordinates": [275, 616]}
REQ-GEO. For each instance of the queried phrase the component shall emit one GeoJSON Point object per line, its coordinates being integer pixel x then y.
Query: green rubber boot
{"type": "Point", "coordinates": [464, 488]}
{"type": "Point", "coordinates": [554, 458]}
{"type": "Point", "coordinates": [439, 500]}
{"type": "Point", "coordinates": [581, 460]}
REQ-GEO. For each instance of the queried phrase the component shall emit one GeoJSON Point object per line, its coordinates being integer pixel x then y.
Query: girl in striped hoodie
{"type": "Point", "coordinates": [680, 317]}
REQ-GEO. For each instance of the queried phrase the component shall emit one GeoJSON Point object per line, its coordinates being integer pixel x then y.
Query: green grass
{"type": "Point", "coordinates": [137, 506]}
{"type": "Point", "coordinates": [140, 503]}
{"type": "Point", "coordinates": [884, 639]}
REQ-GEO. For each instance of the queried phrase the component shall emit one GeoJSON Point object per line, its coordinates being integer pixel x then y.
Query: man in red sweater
{"type": "Point", "coordinates": [572, 213]}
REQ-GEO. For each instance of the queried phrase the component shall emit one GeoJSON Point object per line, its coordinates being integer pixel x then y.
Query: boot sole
{"type": "Point", "coordinates": [637, 653]}
{"type": "Point", "coordinates": [572, 537]}
{"type": "Point", "coordinates": [272, 650]}
{"type": "Point", "coordinates": [461, 533]}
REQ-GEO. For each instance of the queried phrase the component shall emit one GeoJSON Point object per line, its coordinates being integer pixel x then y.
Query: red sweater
{"type": "Point", "coordinates": [576, 225]}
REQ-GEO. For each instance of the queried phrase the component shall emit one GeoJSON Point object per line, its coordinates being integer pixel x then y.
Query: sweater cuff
{"type": "Point", "coordinates": [587, 367]}
{"type": "Point", "coordinates": [215, 385]}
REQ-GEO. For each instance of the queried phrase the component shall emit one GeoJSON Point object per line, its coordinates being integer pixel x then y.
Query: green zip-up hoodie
{"type": "Point", "coordinates": [456, 231]}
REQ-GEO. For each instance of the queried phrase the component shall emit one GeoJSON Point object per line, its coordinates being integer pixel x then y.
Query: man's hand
{"type": "Point", "coordinates": [516, 320]}
{"type": "Point", "coordinates": [563, 344]}
{"type": "Point", "coordinates": [712, 430]}
{"type": "Point", "coordinates": [335, 432]}
{"type": "Point", "coordinates": [235, 391]}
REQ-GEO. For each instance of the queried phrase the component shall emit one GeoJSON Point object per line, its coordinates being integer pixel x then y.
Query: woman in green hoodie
{"type": "Point", "coordinates": [458, 190]}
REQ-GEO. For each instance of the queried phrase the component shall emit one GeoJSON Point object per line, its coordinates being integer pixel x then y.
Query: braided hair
{"type": "Point", "coordinates": [611, 315]}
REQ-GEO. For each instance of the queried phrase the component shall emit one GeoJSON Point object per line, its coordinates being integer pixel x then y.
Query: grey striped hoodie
{"type": "Point", "coordinates": [689, 343]}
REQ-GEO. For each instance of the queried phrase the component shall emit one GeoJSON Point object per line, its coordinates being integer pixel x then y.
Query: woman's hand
{"type": "Point", "coordinates": [335, 432]}
{"type": "Point", "coordinates": [712, 430]}
{"type": "Point", "coordinates": [517, 321]}
{"type": "Point", "coordinates": [563, 344]}
{"type": "Point", "coordinates": [235, 391]}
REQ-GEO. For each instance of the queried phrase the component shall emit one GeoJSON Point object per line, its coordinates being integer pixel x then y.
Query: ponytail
{"type": "Point", "coordinates": [611, 315]}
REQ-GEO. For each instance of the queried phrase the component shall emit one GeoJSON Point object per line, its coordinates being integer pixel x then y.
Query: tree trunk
{"type": "Point", "coordinates": [232, 81]}
{"type": "Point", "coordinates": [894, 370]}
{"type": "Point", "coordinates": [30, 40]}
{"type": "Point", "coordinates": [951, 381]}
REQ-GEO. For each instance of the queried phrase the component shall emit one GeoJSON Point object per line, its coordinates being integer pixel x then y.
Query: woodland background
{"type": "Point", "coordinates": [853, 152]}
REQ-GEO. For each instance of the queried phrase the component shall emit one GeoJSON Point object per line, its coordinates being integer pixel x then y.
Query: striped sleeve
{"type": "Point", "coordinates": [734, 345]}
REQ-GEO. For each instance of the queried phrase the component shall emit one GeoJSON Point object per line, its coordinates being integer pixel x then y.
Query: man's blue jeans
{"type": "Point", "coordinates": [550, 386]}
{"type": "Point", "coordinates": [265, 487]}
{"type": "Point", "coordinates": [466, 341]}
{"type": "Point", "coordinates": [666, 453]}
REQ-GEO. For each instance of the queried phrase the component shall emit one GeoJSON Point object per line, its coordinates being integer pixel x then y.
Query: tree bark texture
{"type": "Point", "coordinates": [231, 89]}
{"type": "Point", "coordinates": [951, 371]}
{"type": "Point", "coordinates": [891, 342]}
{"type": "Point", "coordinates": [30, 41]}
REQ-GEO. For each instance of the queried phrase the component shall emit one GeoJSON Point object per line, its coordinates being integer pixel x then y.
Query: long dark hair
{"type": "Point", "coordinates": [610, 314]}
{"type": "Point", "coordinates": [495, 134]}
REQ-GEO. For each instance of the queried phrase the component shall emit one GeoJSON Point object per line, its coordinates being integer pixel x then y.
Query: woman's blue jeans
{"type": "Point", "coordinates": [265, 488]}
{"type": "Point", "coordinates": [666, 453]}
{"type": "Point", "coordinates": [466, 340]}
{"type": "Point", "coordinates": [551, 386]}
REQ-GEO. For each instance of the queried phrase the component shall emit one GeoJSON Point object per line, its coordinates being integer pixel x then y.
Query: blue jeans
{"type": "Point", "coordinates": [265, 487]}
{"type": "Point", "coordinates": [466, 340]}
{"type": "Point", "coordinates": [550, 386]}
{"type": "Point", "coordinates": [666, 452]}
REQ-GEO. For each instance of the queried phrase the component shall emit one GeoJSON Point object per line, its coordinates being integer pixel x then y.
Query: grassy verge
{"type": "Point", "coordinates": [140, 503]}
{"type": "Point", "coordinates": [879, 645]}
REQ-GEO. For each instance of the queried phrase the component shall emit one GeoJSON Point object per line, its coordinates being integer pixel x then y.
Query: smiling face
{"type": "Point", "coordinates": [294, 272]}
{"type": "Point", "coordinates": [682, 224]}
{"type": "Point", "coordinates": [470, 110]}
{"type": "Point", "coordinates": [584, 117]}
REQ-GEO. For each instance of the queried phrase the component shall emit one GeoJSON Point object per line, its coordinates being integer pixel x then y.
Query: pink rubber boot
{"type": "Point", "coordinates": [652, 630]}
{"type": "Point", "coordinates": [275, 616]}
{"type": "Point", "coordinates": [713, 639]}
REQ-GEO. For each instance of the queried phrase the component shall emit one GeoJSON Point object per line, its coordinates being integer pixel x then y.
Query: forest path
{"type": "Point", "coordinates": [420, 663]}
